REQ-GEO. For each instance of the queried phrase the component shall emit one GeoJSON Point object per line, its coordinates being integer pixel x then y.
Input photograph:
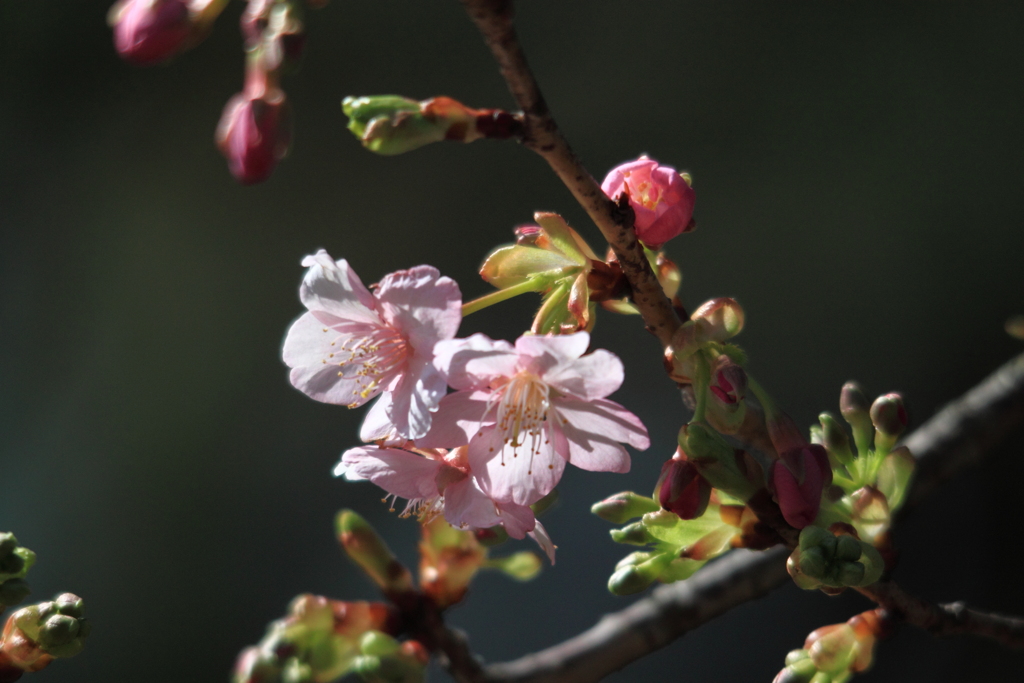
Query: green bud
{"type": "Point", "coordinates": [389, 124]}
{"type": "Point", "coordinates": [795, 656]}
{"type": "Point", "coordinates": [13, 591]}
{"type": "Point", "coordinates": [370, 552]}
{"type": "Point", "coordinates": [803, 581]}
{"type": "Point", "coordinates": [821, 677]}
{"type": "Point", "coordinates": [58, 630]}
{"type": "Point", "coordinates": [701, 443]}
{"type": "Point", "coordinates": [847, 549]}
{"type": "Point", "coordinates": [632, 534]}
{"type": "Point", "coordinates": [850, 573]}
{"type": "Point", "coordinates": [11, 564]}
{"type": "Point", "coordinates": [634, 559]}
{"type": "Point", "coordinates": [801, 671]}
{"type": "Point", "coordinates": [873, 563]}
{"type": "Point", "coordinates": [811, 536]}
{"type": "Point", "coordinates": [629, 580]}
{"type": "Point", "coordinates": [894, 476]}
{"type": "Point", "coordinates": [7, 544]}
{"type": "Point", "coordinates": [854, 406]}
{"type": "Point", "coordinates": [378, 644]}
{"type": "Point", "coordinates": [622, 507]}
{"type": "Point", "coordinates": [70, 604]}
{"type": "Point", "coordinates": [813, 562]}
{"type": "Point", "coordinates": [834, 439]}
{"type": "Point", "coordinates": [521, 566]}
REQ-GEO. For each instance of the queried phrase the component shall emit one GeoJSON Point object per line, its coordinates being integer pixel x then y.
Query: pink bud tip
{"type": "Point", "coordinates": [661, 199]}
{"type": "Point", "coordinates": [150, 31]}
{"type": "Point", "coordinates": [254, 133]}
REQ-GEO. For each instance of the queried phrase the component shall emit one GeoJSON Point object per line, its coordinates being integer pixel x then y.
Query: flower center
{"type": "Point", "coordinates": [371, 360]}
{"type": "Point", "coordinates": [522, 411]}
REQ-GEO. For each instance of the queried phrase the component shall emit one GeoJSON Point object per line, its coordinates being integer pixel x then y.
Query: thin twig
{"type": "Point", "coordinates": [994, 409]}
{"type": "Point", "coordinates": [541, 134]}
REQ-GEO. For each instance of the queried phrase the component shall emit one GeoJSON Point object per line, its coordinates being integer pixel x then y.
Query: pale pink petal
{"type": "Point", "coordinates": [594, 452]}
{"type": "Point", "coordinates": [518, 520]}
{"type": "Point", "coordinates": [308, 351]}
{"type": "Point", "coordinates": [422, 305]}
{"type": "Point", "coordinates": [376, 424]}
{"type": "Point", "coordinates": [514, 475]}
{"type": "Point", "coordinates": [474, 362]}
{"type": "Point", "coordinates": [540, 534]}
{"type": "Point", "coordinates": [538, 354]}
{"type": "Point", "coordinates": [465, 505]}
{"type": "Point", "coordinates": [399, 472]}
{"type": "Point", "coordinates": [334, 288]}
{"type": "Point", "coordinates": [414, 397]}
{"type": "Point", "coordinates": [458, 418]}
{"type": "Point", "coordinates": [591, 377]}
{"type": "Point", "coordinates": [603, 417]}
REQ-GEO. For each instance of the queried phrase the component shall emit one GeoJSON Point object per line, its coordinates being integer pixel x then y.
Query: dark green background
{"type": "Point", "coordinates": [858, 169]}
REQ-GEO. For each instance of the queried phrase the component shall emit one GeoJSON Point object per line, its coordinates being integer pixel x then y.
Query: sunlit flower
{"type": "Point", "coordinates": [662, 199]}
{"type": "Point", "coordinates": [353, 345]}
{"type": "Point", "coordinates": [436, 481]}
{"type": "Point", "coordinates": [527, 410]}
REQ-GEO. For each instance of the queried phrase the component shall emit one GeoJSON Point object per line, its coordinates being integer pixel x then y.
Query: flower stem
{"type": "Point", "coordinates": [497, 297]}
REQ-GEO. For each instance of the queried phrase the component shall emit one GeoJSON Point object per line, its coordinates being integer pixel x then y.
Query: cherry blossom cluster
{"type": "Point", "coordinates": [499, 442]}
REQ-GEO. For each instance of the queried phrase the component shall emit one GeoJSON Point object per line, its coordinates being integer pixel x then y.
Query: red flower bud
{"type": "Point", "coordinates": [798, 478]}
{"type": "Point", "coordinates": [254, 133]}
{"type": "Point", "coordinates": [150, 31]}
{"type": "Point", "coordinates": [682, 490]}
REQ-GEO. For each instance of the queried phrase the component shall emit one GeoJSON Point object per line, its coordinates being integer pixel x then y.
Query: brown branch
{"type": "Point", "coordinates": [946, 620]}
{"type": "Point", "coordinates": [541, 134]}
{"type": "Point", "coordinates": [992, 409]}
{"type": "Point", "coordinates": [651, 623]}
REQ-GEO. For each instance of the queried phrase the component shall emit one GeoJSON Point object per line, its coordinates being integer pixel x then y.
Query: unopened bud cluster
{"type": "Point", "coordinates": [36, 635]}
{"type": "Point", "coordinates": [674, 548]}
{"type": "Point", "coordinates": [824, 559]}
{"type": "Point", "coordinates": [319, 640]}
{"type": "Point", "coordinates": [872, 474]}
{"type": "Point", "coordinates": [832, 654]}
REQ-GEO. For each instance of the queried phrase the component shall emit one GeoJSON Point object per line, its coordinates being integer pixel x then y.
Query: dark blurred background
{"type": "Point", "coordinates": [858, 169]}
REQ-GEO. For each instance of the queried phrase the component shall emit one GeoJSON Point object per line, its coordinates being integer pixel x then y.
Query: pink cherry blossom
{"type": "Point", "coordinates": [439, 481]}
{"type": "Point", "coordinates": [527, 410]}
{"type": "Point", "coordinates": [661, 199]}
{"type": "Point", "coordinates": [353, 345]}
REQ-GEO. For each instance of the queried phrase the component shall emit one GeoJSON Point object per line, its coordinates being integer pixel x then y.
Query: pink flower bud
{"type": "Point", "coordinates": [682, 490]}
{"type": "Point", "coordinates": [661, 199]}
{"type": "Point", "coordinates": [150, 31]}
{"type": "Point", "coordinates": [254, 133]}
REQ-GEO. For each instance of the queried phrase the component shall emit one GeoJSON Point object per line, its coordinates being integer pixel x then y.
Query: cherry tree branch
{"type": "Point", "coordinates": [957, 437]}
{"type": "Point", "coordinates": [946, 620]}
{"type": "Point", "coordinates": [541, 134]}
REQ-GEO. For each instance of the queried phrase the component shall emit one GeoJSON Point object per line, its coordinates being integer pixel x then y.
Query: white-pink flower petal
{"type": "Point", "coordinates": [539, 353]}
{"type": "Point", "coordinates": [515, 474]}
{"type": "Point", "coordinates": [423, 304]}
{"type": "Point", "coordinates": [591, 377]}
{"type": "Point", "coordinates": [475, 362]}
{"type": "Point", "coordinates": [402, 473]}
{"type": "Point", "coordinates": [333, 287]}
